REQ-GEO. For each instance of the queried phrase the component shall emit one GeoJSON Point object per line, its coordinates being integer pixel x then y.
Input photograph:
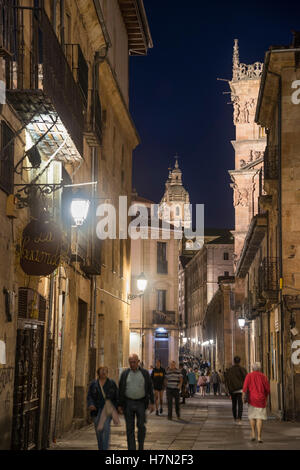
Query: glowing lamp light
{"type": "Point", "coordinates": [211, 341]}
{"type": "Point", "coordinates": [241, 322]}
{"type": "Point", "coordinates": [142, 282]}
{"type": "Point", "coordinates": [161, 330]}
{"type": "Point", "coordinates": [79, 209]}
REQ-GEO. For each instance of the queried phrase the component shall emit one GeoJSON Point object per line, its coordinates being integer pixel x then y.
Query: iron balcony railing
{"type": "Point", "coordinates": [268, 277]}
{"type": "Point", "coordinates": [79, 68]}
{"type": "Point", "coordinates": [39, 66]}
{"type": "Point", "coordinates": [164, 318]}
{"type": "Point", "coordinates": [271, 164]}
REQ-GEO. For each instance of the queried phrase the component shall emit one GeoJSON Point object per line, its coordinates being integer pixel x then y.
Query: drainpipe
{"type": "Point", "coordinates": [62, 315]}
{"type": "Point", "coordinates": [102, 23]}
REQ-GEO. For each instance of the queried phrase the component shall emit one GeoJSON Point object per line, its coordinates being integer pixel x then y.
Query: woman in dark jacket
{"type": "Point", "coordinates": [101, 390]}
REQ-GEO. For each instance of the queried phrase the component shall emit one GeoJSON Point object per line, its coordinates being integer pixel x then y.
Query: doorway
{"type": "Point", "coordinates": [81, 359]}
{"type": "Point", "coordinates": [27, 387]}
{"type": "Point", "coordinates": [162, 351]}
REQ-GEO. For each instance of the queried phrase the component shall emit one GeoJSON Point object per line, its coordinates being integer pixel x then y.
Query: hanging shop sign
{"type": "Point", "coordinates": [41, 247]}
{"type": "Point", "coordinates": [161, 335]}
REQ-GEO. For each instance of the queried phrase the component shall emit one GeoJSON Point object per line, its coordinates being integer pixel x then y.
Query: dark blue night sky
{"type": "Point", "coordinates": [177, 103]}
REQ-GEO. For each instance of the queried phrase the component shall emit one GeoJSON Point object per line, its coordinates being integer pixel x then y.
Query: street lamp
{"type": "Point", "coordinates": [142, 282]}
{"type": "Point", "coordinates": [241, 322]}
{"type": "Point", "coordinates": [141, 285]}
{"type": "Point", "coordinates": [79, 208]}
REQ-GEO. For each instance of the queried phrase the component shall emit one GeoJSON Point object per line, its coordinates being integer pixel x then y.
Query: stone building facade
{"type": "Point", "coordinates": [221, 327]}
{"type": "Point", "coordinates": [66, 122]}
{"type": "Point", "coordinates": [269, 260]}
{"type": "Point", "coordinates": [247, 176]}
{"type": "Point", "coordinates": [214, 259]}
{"type": "Point", "coordinates": [154, 319]}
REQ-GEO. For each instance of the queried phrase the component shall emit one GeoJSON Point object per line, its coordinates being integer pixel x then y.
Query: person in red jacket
{"type": "Point", "coordinates": [257, 388]}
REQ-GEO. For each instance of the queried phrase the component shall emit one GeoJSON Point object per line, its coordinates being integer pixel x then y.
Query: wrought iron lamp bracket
{"type": "Point", "coordinates": [33, 191]}
{"type": "Point", "coordinates": [134, 296]}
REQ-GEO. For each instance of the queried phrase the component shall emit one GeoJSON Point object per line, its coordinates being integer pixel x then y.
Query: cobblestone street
{"type": "Point", "coordinates": [205, 424]}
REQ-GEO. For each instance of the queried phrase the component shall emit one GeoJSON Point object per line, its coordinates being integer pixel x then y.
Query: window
{"type": "Point", "coordinates": [177, 210]}
{"type": "Point", "coordinates": [161, 300]}
{"type": "Point", "coordinates": [162, 263]}
{"type": "Point", "coordinates": [7, 159]}
{"type": "Point", "coordinates": [226, 256]}
{"type": "Point", "coordinates": [226, 273]}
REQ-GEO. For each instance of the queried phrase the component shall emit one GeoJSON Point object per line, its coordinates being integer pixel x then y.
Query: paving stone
{"type": "Point", "coordinates": [206, 424]}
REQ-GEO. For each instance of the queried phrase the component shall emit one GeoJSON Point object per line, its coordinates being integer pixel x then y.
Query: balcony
{"type": "Point", "coordinates": [79, 68]}
{"type": "Point", "coordinates": [254, 237]}
{"type": "Point", "coordinates": [163, 318]}
{"type": "Point", "coordinates": [41, 87]}
{"type": "Point", "coordinates": [268, 277]}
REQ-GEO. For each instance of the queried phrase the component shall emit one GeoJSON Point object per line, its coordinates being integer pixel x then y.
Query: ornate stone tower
{"type": "Point", "coordinates": [249, 146]}
{"type": "Point", "coordinates": [172, 208]}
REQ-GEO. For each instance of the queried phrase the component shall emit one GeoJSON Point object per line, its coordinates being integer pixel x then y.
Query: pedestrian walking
{"type": "Point", "coordinates": [208, 378]}
{"type": "Point", "coordinates": [222, 383]}
{"type": "Point", "coordinates": [235, 377]}
{"type": "Point", "coordinates": [174, 381]}
{"type": "Point", "coordinates": [135, 396]}
{"type": "Point", "coordinates": [257, 389]}
{"type": "Point", "coordinates": [202, 384]}
{"type": "Point", "coordinates": [184, 393]}
{"type": "Point", "coordinates": [215, 380]}
{"type": "Point", "coordinates": [102, 400]}
{"type": "Point", "coordinates": [158, 380]}
{"type": "Point", "coordinates": [197, 374]}
{"type": "Point", "coordinates": [192, 382]}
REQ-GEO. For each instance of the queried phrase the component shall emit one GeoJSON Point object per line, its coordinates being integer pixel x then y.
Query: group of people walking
{"type": "Point", "coordinates": [137, 392]}
{"type": "Point", "coordinates": [140, 390]}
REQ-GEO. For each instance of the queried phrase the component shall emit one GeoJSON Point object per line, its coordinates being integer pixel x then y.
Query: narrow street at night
{"type": "Point", "coordinates": [205, 424]}
{"type": "Point", "coordinates": [149, 227]}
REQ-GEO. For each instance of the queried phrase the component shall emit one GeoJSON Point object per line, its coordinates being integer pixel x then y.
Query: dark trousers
{"type": "Point", "coordinates": [135, 408]}
{"type": "Point", "coordinates": [192, 389]}
{"type": "Point", "coordinates": [237, 402]}
{"type": "Point", "coordinates": [216, 387]}
{"type": "Point", "coordinates": [173, 393]}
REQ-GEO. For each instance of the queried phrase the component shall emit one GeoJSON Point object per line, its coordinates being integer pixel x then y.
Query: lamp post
{"type": "Point", "coordinates": [141, 285]}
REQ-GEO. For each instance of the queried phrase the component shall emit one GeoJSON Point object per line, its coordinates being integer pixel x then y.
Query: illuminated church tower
{"type": "Point", "coordinates": [172, 204]}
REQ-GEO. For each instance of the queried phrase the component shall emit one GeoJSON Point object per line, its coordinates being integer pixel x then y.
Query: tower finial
{"type": "Point", "coordinates": [236, 59]}
{"type": "Point", "coordinates": [176, 162]}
